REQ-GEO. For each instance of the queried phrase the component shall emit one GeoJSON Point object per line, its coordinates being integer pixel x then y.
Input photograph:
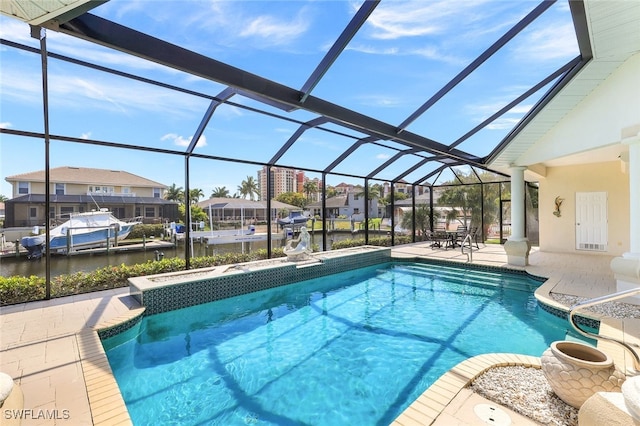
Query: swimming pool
{"type": "Point", "coordinates": [352, 348]}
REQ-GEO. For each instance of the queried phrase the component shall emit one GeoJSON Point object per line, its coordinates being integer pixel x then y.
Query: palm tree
{"type": "Point", "coordinates": [220, 192]}
{"type": "Point", "coordinates": [248, 188]}
{"type": "Point", "coordinates": [378, 190]}
{"type": "Point", "coordinates": [374, 192]}
{"type": "Point", "coordinates": [423, 219]}
{"type": "Point", "coordinates": [3, 198]}
{"type": "Point", "coordinates": [309, 187]}
{"type": "Point", "coordinates": [174, 193]}
{"type": "Point", "coordinates": [195, 194]}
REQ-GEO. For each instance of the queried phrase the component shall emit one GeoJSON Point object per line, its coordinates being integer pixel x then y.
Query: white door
{"type": "Point", "coordinates": [591, 221]}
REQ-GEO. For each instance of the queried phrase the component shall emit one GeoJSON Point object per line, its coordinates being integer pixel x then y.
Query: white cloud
{"type": "Point", "coordinates": [362, 48]}
{"type": "Point", "coordinates": [383, 156]}
{"type": "Point", "coordinates": [130, 6]}
{"type": "Point", "coordinates": [232, 24]}
{"type": "Point", "coordinates": [228, 112]}
{"type": "Point", "coordinates": [442, 31]}
{"type": "Point", "coordinates": [85, 135]}
{"type": "Point", "coordinates": [273, 30]}
{"type": "Point", "coordinates": [520, 109]}
{"type": "Point", "coordinates": [408, 20]}
{"type": "Point", "coordinates": [5, 125]}
{"type": "Point", "coordinates": [552, 42]}
{"type": "Point", "coordinates": [101, 92]}
{"type": "Point", "coordinates": [182, 141]}
{"type": "Point", "coordinates": [96, 92]}
{"type": "Point", "coordinates": [419, 18]}
{"type": "Point", "coordinates": [428, 52]}
{"type": "Point", "coordinates": [508, 120]}
{"type": "Point", "coordinates": [22, 85]}
{"type": "Point", "coordinates": [15, 30]}
{"type": "Point", "coordinates": [381, 101]}
{"type": "Point", "coordinates": [503, 123]}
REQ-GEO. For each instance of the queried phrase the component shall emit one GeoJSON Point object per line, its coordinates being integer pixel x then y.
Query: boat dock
{"type": "Point", "coordinates": [233, 236]}
{"type": "Point", "coordinates": [11, 250]}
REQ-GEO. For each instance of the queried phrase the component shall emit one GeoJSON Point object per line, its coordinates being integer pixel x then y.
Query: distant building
{"type": "Point", "coordinates": [399, 187]}
{"type": "Point", "coordinates": [344, 188]}
{"type": "Point", "coordinates": [300, 180]}
{"type": "Point", "coordinates": [282, 180]}
{"type": "Point", "coordinates": [240, 209]}
{"type": "Point", "coordinates": [80, 189]}
{"type": "Point", "coordinates": [350, 204]}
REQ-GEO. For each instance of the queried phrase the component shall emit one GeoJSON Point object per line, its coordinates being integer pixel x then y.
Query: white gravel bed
{"type": "Point", "coordinates": [526, 391]}
{"type": "Point", "coordinates": [611, 309]}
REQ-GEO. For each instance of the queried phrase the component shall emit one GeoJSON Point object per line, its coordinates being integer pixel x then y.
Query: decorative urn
{"type": "Point", "coordinates": [575, 371]}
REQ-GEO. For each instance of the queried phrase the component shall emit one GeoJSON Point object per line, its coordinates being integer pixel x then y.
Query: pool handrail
{"type": "Point", "coordinates": [596, 301]}
{"type": "Point", "coordinates": [470, 253]}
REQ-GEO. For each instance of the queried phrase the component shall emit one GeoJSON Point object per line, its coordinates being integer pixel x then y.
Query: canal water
{"type": "Point", "coordinates": [62, 265]}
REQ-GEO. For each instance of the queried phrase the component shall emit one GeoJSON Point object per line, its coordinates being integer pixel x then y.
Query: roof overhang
{"type": "Point", "coordinates": [49, 13]}
{"type": "Point", "coordinates": [613, 32]}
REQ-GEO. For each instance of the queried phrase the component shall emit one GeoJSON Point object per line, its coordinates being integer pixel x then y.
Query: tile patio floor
{"type": "Point", "coordinates": [52, 352]}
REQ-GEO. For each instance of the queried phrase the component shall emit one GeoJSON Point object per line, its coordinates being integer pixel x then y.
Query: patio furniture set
{"type": "Point", "coordinates": [444, 238]}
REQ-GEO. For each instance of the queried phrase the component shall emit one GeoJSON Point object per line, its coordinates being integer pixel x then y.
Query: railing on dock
{"type": "Point", "coordinates": [597, 301]}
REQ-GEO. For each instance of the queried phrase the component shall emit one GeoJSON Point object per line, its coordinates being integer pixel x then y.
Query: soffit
{"type": "Point", "coordinates": [37, 13]}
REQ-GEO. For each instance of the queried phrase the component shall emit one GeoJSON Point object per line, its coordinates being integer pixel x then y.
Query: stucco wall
{"type": "Point", "coordinates": [558, 234]}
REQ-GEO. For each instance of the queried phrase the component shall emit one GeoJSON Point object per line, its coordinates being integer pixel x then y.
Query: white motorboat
{"type": "Point", "coordinates": [82, 231]}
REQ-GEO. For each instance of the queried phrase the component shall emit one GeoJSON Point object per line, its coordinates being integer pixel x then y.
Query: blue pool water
{"type": "Point", "coordinates": [354, 348]}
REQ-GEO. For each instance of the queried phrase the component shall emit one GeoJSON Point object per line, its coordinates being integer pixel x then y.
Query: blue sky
{"type": "Point", "coordinates": [405, 53]}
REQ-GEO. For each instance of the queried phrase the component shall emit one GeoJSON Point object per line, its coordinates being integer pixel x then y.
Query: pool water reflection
{"type": "Point", "coordinates": [351, 348]}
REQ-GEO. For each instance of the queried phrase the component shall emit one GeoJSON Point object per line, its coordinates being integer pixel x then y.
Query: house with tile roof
{"type": "Point", "coordinates": [81, 189]}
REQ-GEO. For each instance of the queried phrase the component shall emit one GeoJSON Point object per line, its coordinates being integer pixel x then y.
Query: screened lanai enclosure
{"type": "Point", "coordinates": [379, 121]}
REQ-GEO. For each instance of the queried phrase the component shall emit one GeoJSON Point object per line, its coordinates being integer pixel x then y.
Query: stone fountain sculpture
{"type": "Point", "coordinates": [302, 248]}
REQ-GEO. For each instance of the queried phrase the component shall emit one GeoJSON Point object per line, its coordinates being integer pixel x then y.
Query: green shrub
{"type": "Point", "coordinates": [25, 289]}
{"type": "Point", "coordinates": [19, 289]}
{"type": "Point", "coordinates": [373, 241]}
{"type": "Point", "coordinates": [354, 242]}
{"type": "Point", "coordinates": [147, 230]}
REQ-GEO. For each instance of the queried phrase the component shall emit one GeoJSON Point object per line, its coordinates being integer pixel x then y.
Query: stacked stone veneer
{"type": "Point", "coordinates": [165, 296]}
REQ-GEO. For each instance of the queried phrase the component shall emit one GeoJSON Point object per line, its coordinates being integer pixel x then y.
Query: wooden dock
{"type": "Point", "coordinates": [9, 249]}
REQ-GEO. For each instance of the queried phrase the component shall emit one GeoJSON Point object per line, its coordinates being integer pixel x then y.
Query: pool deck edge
{"type": "Point", "coordinates": [105, 399]}
{"type": "Point", "coordinates": [426, 409]}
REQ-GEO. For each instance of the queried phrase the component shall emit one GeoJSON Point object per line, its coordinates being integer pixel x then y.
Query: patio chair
{"type": "Point", "coordinates": [441, 239]}
{"type": "Point", "coordinates": [428, 236]}
{"type": "Point", "coordinates": [475, 234]}
{"type": "Point", "coordinates": [460, 235]}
